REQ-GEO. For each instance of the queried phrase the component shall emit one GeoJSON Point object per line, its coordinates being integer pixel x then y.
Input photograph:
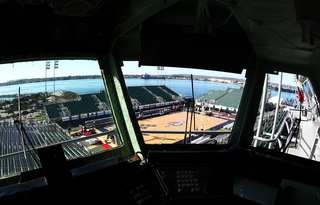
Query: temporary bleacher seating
{"type": "Point", "coordinates": [145, 97]}
{"type": "Point", "coordinates": [39, 136]}
{"type": "Point", "coordinates": [159, 92]}
{"type": "Point", "coordinates": [169, 90]}
{"type": "Point", "coordinates": [214, 95]}
{"type": "Point", "coordinates": [232, 99]}
{"type": "Point", "coordinates": [53, 110]}
{"type": "Point", "coordinates": [142, 95]}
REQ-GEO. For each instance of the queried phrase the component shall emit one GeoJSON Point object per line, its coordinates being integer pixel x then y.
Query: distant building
{"type": "Point", "coordinates": [147, 76]}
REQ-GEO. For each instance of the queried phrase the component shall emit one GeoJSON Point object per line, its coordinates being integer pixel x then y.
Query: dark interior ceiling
{"type": "Point", "coordinates": [189, 31]}
{"type": "Point", "coordinates": [42, 29]}
{"type": "Point", "coordinates": [277, 31]}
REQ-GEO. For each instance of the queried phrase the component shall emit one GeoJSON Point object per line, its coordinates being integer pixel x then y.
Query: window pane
{"type": "Point", "coordinates": [60, 101]}
{"type": "Point", "coordinates": [292, 127]}
{"type": "Point", "coordinates": [163, 102]}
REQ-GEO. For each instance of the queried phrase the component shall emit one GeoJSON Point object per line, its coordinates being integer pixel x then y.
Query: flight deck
{"type": "Point", "coordinates": [177, 122]}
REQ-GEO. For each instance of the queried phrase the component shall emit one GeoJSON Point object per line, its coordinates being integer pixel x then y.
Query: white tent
{"type": "Point", "coordinates": [274, 100]}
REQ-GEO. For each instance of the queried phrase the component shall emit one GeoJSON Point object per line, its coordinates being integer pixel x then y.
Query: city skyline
{"type": "Point", "coordinates": [36, 69]}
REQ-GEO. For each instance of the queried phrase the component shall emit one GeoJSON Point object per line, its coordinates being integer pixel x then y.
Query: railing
{"type": "Point", "coordinates": [15, 154]}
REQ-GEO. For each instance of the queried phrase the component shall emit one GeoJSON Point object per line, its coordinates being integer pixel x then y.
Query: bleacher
{"type": "Point", "coordinates": [169, 90]}
{"type": "Point", "coordinates": [85, 105]}
{"type": "Point", "coordinates": [89, 102]}
{"type": "Point", "coordinates": [142, 95]}
{"type": "Point", "coordinates": [52, 110]}
{"type": "Point", "coordinates": [73, 107]}
{"type": "Point", "coordinates": [214, 95]}
{"type": "Point", "coordinates": [39, 136]}
{"type": "Point", "coordinates": [159, 92]}
{"type": "Point", "coordinates": [103, 97]}
{"type": "Point", "coordinates": [231, 99]}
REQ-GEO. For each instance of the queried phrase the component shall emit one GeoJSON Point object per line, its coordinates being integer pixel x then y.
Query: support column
{"type": "Point", "coordinates": [242, 132]}
{"type": "Point", "coordinates": [120, 103]}
{"type": "Point", "coordinates": [263, 103]}
{"type": "Point", "coordinates": [277, 110]}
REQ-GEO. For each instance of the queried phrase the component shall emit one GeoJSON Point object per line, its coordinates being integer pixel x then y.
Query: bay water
{"type": "Point", "coordinates": [85, 86]}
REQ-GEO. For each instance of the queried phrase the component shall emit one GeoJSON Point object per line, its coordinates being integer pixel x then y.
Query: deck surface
{"type": "Point", "coordinates": [174, 122]}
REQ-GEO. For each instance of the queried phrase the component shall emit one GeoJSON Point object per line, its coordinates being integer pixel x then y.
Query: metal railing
{"type": "Point", "coordinates": [15, 154]}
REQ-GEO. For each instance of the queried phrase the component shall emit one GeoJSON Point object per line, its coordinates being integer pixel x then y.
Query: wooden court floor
{"type": "Point", "coordinates": [176, 122]}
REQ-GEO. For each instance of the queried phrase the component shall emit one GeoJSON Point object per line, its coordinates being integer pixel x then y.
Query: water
{"type": "Point", "coordinates": [183, 87]}
{"type": "Point", "coordinates": [284, 95]}
{"type": "Point", "coordinates": [79, 86]}
{"type": "Point", "coordinates": [83, 86]}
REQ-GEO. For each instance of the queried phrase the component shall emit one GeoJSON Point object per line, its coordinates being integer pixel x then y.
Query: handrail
{"type": "Point", "coordinates": [278, 131]}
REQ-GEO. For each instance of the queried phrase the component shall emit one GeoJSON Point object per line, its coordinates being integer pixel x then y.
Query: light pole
{"type": "Point", "coordinates": [158, 68]}
{"type": "Point", "coordinates": [56, 66]}
{"type": "Point", "coordinates": [47, 68]}
{"type": "Point", "coordinates": [161, 70]}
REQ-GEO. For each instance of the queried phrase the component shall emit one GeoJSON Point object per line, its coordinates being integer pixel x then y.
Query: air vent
{"type": "Point", "coordinates": [76, 7]}
{"type": "Point", "coordinates": [265, 11]}
{"type": "Point", "coordinates": [276, 22]}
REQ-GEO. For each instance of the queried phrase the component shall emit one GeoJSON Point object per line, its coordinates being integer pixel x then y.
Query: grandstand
{"type": "Point", "coordinates": [88, 106]}
{"type": "Point", "coordinates": [39, 136]}
{"type": "Point", "coordinates": [96, 105]}
{"type": "Point", "coordinates": [159, 91]}
{"type": "Point", "coordinates": [152, 94]}
{"type": "Point", "coordinates": [142, 95]}
{"type": "Point", "coordinates": [227, 100]}
{"type": "Point", "coordinates": [53, 110]}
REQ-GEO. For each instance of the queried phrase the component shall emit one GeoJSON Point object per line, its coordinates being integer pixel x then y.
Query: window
{"type": "Point", "coordinates": [292, 127]}
{"type": "Point", "coordinates": [61, 102]}
{"type": "Point", "coordinates": [162, 99]}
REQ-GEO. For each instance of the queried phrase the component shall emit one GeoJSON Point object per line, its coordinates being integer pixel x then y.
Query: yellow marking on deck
{"type": "Point", "coordinates": [93, 146]}
{"type": "Point", "coordinates": [71, 133]}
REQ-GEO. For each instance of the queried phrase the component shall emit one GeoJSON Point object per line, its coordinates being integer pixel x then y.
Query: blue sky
{"type": "Point", "coordinates": [131, 68]}
{"type": "Point", "coordinates": [36, 69]}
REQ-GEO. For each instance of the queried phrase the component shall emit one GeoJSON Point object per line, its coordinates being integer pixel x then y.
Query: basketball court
{"type": "Point", "coordinates": [175, 122]}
